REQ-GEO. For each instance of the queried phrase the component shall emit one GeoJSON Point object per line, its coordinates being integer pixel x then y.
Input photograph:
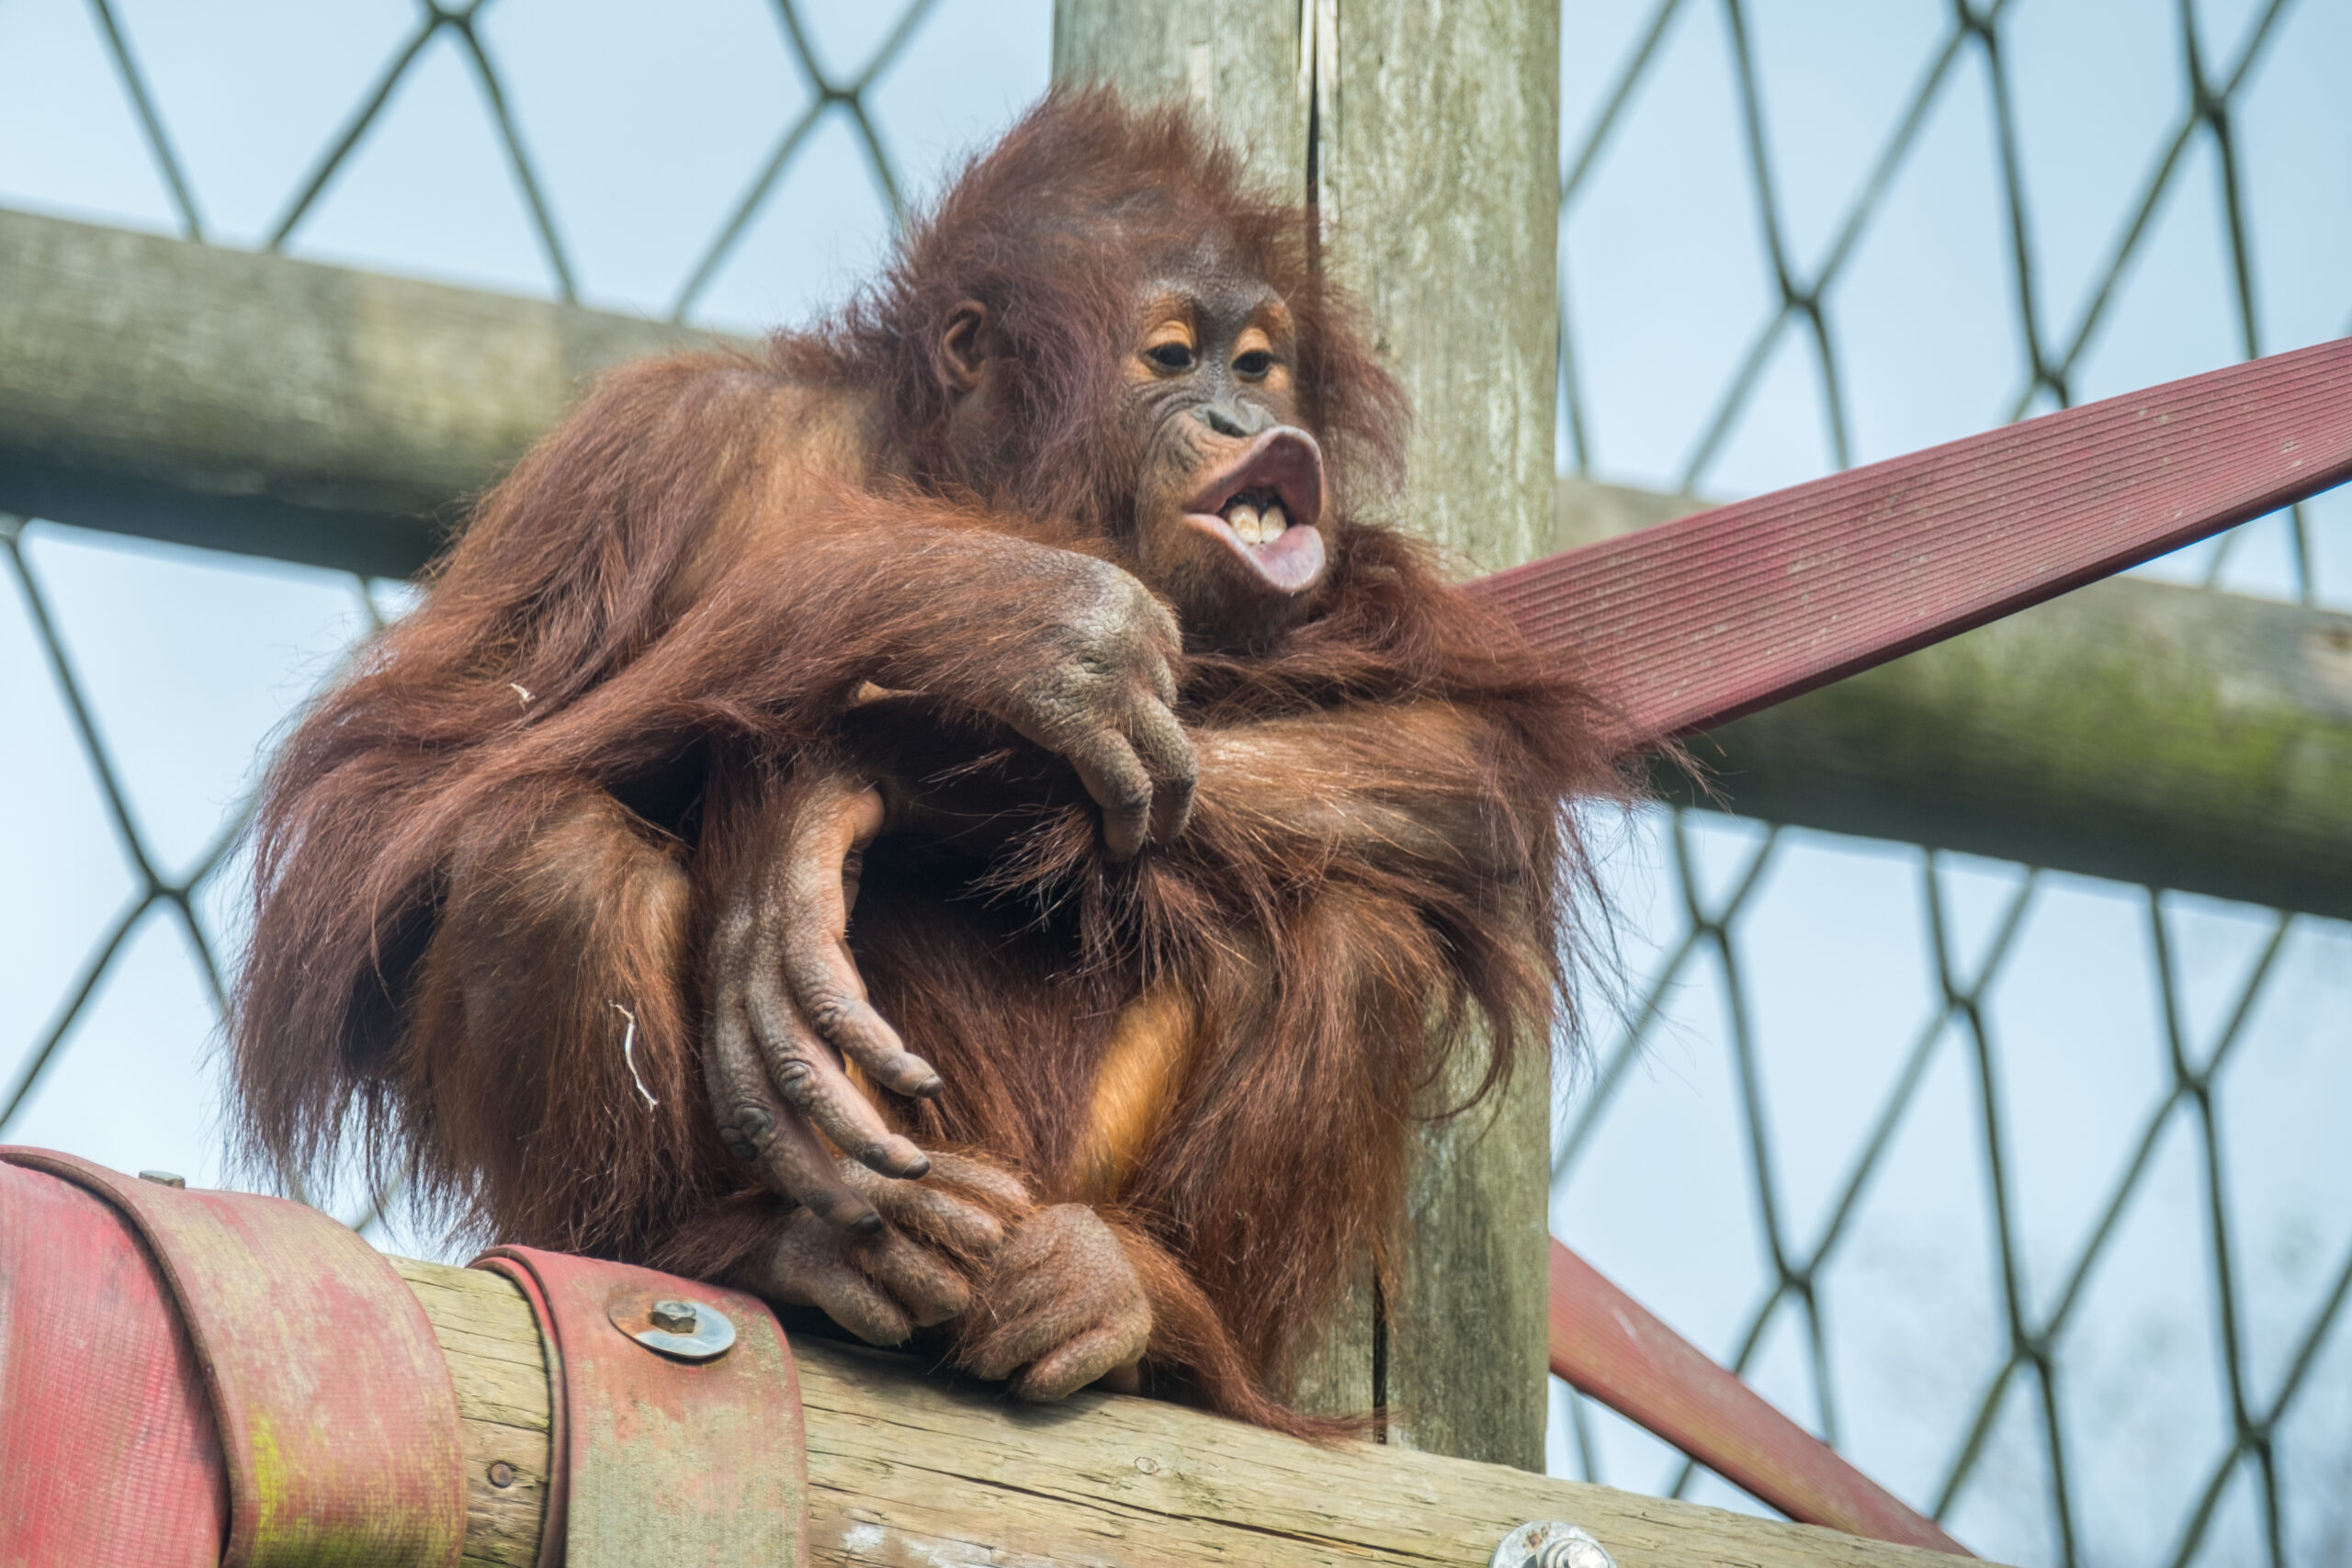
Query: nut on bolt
{"type": "Point", "coordinates": [677, 1326]}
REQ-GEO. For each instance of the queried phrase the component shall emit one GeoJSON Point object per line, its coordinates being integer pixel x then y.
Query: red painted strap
{"type": "Point", "coordinates": [659, 1460]}
{"type": "Point", "coordinates": [1607, 1345]}
{"type": "Point", "coordinates": [1697, 621]}
{"type": "Point", "coordinates": [337, 1420]}
{"type": "Point", "coordinates": [107, 1448]}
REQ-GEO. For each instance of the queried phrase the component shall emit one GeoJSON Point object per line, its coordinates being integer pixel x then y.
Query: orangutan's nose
{"type": "Point", "coordinates": [1234, 419]}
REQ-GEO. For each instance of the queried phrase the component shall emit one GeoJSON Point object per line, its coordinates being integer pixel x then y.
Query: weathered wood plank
{"type": "Point", "coordinates": [1236, 63]}
{"type": "Point", "coordinates": [258, 403]}
{"type": "Point", "coordinates": [1437, 150]}
{"type": "Point", "coordinates": [504, 1405]}
{"type": "Point", "coordinates": [913, 1471]}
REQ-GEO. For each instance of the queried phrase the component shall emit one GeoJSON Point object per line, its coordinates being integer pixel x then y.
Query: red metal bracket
{"type": "Point", "coordinates": [336, 1422]}
{"type": "Point", "coordinates": [658, 1457]}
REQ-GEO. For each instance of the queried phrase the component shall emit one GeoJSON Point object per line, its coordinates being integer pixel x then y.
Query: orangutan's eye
{"type": "Point", "coordinates": [1253, 365]}
{"type": "Point", "coordinates": [1171, 355]}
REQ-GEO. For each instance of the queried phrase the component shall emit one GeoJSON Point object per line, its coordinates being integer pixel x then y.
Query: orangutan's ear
{"type": "Point", "coordinates": [963, 346]}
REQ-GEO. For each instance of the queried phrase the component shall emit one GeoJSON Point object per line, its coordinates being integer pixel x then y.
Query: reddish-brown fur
{"type": "Point", "coordinates": [508, 823]}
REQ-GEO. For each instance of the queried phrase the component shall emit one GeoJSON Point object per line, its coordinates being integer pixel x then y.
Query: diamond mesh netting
{"type": "Point", "coordinates": [2027, 1191]}
{"type": "Point", "coordinates": [1997, 1134]}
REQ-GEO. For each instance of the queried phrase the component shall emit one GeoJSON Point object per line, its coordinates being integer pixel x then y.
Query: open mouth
{"type": "Point", "coordinates": [1256, 515]}
{"type": "Point", "coordinates": [1265, 506]}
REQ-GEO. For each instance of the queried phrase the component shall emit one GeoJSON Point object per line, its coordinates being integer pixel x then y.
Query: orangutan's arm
{"type": "Point", "coordinates": [1411, 788]}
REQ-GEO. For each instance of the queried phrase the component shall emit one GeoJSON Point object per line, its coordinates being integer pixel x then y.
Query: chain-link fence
{"type": "Point", "coordinates": [2008, 1193]}
{"type": "Point", "coordinates": [809, 71]}
{"type": "Point", "coordinates": [2026, 1191]}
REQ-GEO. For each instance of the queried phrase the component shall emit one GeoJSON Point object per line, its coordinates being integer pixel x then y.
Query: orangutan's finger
{"type": "Point", "coordinates": [808, 1076]}
{"type": "Point", "coordinates": [812, 924]}
{"type": "Point", "coordinates": [860, 1305]}
{"type": "Point", "coordinates": [760, 1130]}
{"type": "Point", "coordinates": [1107, 765]}
{"type": "Point", "coordinates": [1000, 1189]}
{"type": "Point", "coordinates": [1167, 752]}
{"type": "Point", "coordinates": [1062, 1371]}
{"type": "Point", "coordinates": [923, 1284]}
{"type": "Point", "coordinates": [933, 1211]}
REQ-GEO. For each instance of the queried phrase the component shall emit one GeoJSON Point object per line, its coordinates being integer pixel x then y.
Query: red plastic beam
{"type": "Point", "coordinates": [1606, 1343]}
{"type": "Point", "coordinates": [1694, 622]}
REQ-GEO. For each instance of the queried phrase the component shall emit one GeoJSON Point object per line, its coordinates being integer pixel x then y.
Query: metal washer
{"type": "Point", "coordinates": [1550, 1543]}
{"type": "Point", "coordinates": [654, 1321]}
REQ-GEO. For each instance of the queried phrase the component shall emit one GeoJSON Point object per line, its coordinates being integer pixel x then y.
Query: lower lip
{"type": "Point", "coordinates": [1290, 563]}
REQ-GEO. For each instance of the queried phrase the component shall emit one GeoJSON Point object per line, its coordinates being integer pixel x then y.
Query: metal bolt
{"type": "Point", "coordinates": [1549, 1543]}
{"type": "Point", "coordinates": [502, 1473]}
{"type": "Point", "coordinates": [688, 1330]}
{"type": "Point", "coordinates": [163, 1177]}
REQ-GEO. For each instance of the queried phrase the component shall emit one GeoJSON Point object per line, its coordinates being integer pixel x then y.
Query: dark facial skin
{"type": "Point", "coordinates": [1230, 492]}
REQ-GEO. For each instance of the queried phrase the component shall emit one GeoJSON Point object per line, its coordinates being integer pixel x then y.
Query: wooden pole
{"type": "Point", "coordinates": [1427, 137]}
{"type": "Point", "coordinates": [910, 1471]}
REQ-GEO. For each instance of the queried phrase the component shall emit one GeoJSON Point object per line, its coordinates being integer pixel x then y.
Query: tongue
{"type": "Point", "coordinates": [1291, 560]}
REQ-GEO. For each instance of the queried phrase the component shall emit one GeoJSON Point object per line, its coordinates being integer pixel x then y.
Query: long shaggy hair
{"type": "Point", "coordinates": [485, 858]}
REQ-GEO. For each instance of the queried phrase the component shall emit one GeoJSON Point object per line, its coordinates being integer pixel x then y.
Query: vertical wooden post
{"type": "Point", "coordinates": [1428, 135]}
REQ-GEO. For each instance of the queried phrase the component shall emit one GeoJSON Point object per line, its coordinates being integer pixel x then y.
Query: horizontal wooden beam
{"type": "Point", "coordinates": [2133, 729]}
{"type": "Point", "coordinates": [255, 403]}
{"type": "Point", "coordinates": [270, 406]}
{"type": "Point", "coordinates": [911, 1471]}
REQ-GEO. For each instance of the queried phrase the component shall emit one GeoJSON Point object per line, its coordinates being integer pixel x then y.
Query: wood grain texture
{"type": "Point", "coordinates": [1235, 62]}
{"type": "Point", "coordinates": [914, 1472]}
{"type": "Point", "coordinates": [1427, 137]}
{"type": "Point", "coordinates": [260, 404]}
{"type": "Point", "coordinates": [1440, 165]}
{"type": "Point", "coordinates": [1438, 155]}
{"type": "Point", "coordinates": [504, 1408]}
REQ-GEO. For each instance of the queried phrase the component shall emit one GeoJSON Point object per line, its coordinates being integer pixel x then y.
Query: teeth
{"type": "Point", "coordinates": [1271, 523]}
{"type": "Point", "coordinates": [1244, 519]}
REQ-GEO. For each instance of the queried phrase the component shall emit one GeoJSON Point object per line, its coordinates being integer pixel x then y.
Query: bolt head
{"type": "Point", "coordinates": [672, 1317]}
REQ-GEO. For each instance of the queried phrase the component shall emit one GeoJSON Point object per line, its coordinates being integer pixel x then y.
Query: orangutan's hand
{"type": "Point", "coordinates": [940, 1236]}
{"type": "Point", "coordinates": [788, 1007]}
{"type": "Point", "coordinates": [1062, 1306]}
